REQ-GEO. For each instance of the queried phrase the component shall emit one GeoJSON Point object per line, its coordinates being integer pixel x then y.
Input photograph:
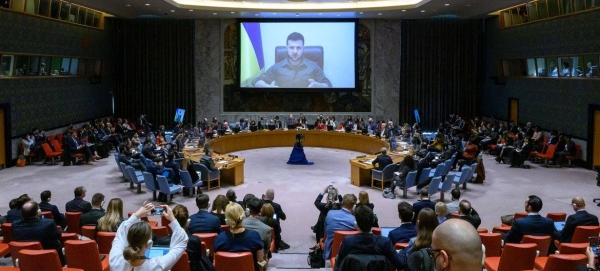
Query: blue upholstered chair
{"type": "Point", "coordinates": [186, 180]}
{"type": "Point", "coordinates": [166, 188]}
{"type": "Point", "coordinates": [135, 178]}
{"type": "Point", "coordinates": [423, 177]}
{"type": "Point", "coordinates": [411, 178]}
{"type": "Point", "coordinates": [461, 177]}
{"type": "Point", "coordinates": [383, 176]}
{"type": "Point", "coordinates": [209, 176]}
{"type": "Point", "coordinates": [434, 185]}
{"type": "Point", "coordinates": [446, 185]}
{"type": "Point", "coordinates": [150, 184]}
{"type": "Point", "coordinates": [439, 171]}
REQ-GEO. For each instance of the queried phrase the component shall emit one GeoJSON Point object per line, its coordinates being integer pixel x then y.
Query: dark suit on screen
{"type": "Point", "coordinates": [580, 218]}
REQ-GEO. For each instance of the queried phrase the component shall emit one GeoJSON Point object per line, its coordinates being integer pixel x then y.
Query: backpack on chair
{"type": "Point", "coordinates": [421, 258]}
{"type": "Point", "coordinates": [388, 193]}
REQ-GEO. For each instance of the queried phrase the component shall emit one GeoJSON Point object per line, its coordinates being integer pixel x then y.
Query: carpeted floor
{"type": "Point", "coordinates": [296, 188]}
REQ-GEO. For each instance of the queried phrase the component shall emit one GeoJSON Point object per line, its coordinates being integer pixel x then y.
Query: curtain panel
{"type": "Point", "coordinates": [155, 70]}
{"type": "Point", "coordinates": [440, 69]}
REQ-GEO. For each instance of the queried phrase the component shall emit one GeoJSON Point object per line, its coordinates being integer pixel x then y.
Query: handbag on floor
{"type": "Point", "coordinates": [315, 258]}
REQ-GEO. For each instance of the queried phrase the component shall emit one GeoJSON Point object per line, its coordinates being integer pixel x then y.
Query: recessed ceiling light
{"type": "Point", "coordinates": [128, 5]}
{"type": "Point", "coordinates": [404, 10]}
{"type": "Point", "coordinates": [191, 10]}
{"type": "Point", "coordinates": [422, 10]}
{"type": "Point", "coordinates": [379, 14]}
{"type": "Point", "coordinates": [215, 13]}
{"type": "Point", "coordinates": [446, 4]}
{"type": "Point", "coordinates": [274, 13]}
{"type": "Point", "coordinates": [360, 12]}
{"type": "Point", "coordinates": [320, 13]}
{"type": "Point", "coordinates": [233, 12]}
{"type": "Point", "coordinates": [147, 4]}
{"type": "Point", "coordinates": [172, 10]}
{"type": "Point", "coordinates": [256, 14]}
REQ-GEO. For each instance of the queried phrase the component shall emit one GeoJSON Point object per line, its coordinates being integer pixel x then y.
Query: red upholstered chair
{"type": "Point", "coordinates": [514, 257]}
{"type": "Point", "coordinates": [47, 214]}
{"type": "Point", "coordinates": [165, 222]}
{"type": "Point", "coordinates": [9, 269]}
{"type": "Point", "coordinates": [557, 217]}
{"type": "Point", "coordinates": [151, 222]}
{"type": "Point", "coordinates": [65, 236]}
{"type": "Point", "coordinates": [50, 153]}
{"type": "Point", "coordinates": [376, 231]}
{"type": "Point", "coordinates": [565, 248]}
{"type": "Point", "coordinates": [104, 240]}
{"type": "Point", "coordinates": [338, 237]}
{"type": "Point", "coordinates": [224, 228]}
{"type": "Point", "coordinates": [542, 242]}
{"type": "Point", "coordinates": [272, 248]}
{"type": "Point", "coordinates": [563, 262]}
{"type": "Point", "coordinates": [160, 231]}
{"type": "Point", "coordinates": [37, 260]}
{"type": "Point", "coordinates": [400, 246]}
{"type": "Point", "coordinates": [520, 215]}
{"type": "Point", "coordinates": [492, 243]}
{"type": "Point", "coordinates": [482, 230]}
{"type": "Point", "coordinates": [183, 264]}
{"type": "Point", "coordinates": [7, 232]}
{"type": "Point", "coordinates": [581, 234]}
{"type": "Point", "coordinates": [15, 247]}
{"type": "Point", "coordinates": [4, 249]}
{"type": "Point", "coordinates": [89, 232]}
{"type": "Point", "coordinates": [234, 261]}
{"type": "Point", "coordinates": [500, 229]}
{"type": "Point", "coordinates": [209, 239]}
{"type": "Point", "coordinates": [84, 254]}
{"type": "Point", "coordinates": [73, 219]}
{"type": "Point", "coordinates": [546, 156]}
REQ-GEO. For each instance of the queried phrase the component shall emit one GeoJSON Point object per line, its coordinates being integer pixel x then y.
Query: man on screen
{"type": "Point", "coordinates": [295, 71]}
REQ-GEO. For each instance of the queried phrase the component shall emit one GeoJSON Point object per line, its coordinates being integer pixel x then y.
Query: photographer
{"type": "Point", "coordinates": [331, 204]}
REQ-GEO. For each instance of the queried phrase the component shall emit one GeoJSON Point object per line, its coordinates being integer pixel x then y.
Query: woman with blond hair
{"type": "Point", "coordinates": [134, 238]}
{"type": "Point", "coordinates": [113, 217]}
{"type": "Point", "coordinates": [266, 212]}
{"type": "Point", "coordinates": [238, 238]}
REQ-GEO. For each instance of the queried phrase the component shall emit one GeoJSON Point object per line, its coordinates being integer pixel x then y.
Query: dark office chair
{"type": "Point", "coordinates": [314, 53]}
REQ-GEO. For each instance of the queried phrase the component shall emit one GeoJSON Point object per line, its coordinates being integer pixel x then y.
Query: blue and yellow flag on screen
{"type": "Point", "coordinates": [253, 61]}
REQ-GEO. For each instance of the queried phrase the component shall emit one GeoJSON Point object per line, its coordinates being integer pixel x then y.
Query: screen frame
{"type": "Point", "coordinates": [356, 87]}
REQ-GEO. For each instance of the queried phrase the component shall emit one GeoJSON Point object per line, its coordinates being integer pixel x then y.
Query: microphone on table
{"type": "Point", "coordinates": [360, 156]}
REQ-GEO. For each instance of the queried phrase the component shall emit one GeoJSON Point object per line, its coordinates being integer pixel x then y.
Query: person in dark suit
{"type": "Point", "coordinates": [34, 228]}
{"type": "Point", "coordinates": [580, 218]}
{"type": "Point", "coordinates": [207, 160]}
{"type": "Point", "coordinates": [366, 243]}
{"type": "Point", "coordinates": [324, 208]}
{"type": "Point", "coordinates": [74, 147]}
{"type": "Point", "coordinates": [520, 155]}
{"type": "Point", "coordinates": [382, 160]}
{"type": "Point", "coordinates": [407, 230]}
{"type": "Point", "coordinates": [78, 204]}
{"type": "Point", "coordinates": [467, 213]}
{"type": "Point", "coordinates": [533, 224]}
{"type": "Point", "coordinates": [425, 202]}
{"type": "Point", "coordinates": [232, 197]}
{"type": "Point", "coordinates": [203, 221]}
{"type": "Point", "coordinates": [91, 218]}
{"type": "Point", "coordinates": [568, 149]}
{"type": "Point", "coordinates": [174, 166]}
{"type": "Point", "coordinates": [15, 213]}
{"type": "Point", "coordinates": [194, 244]}
{"type": "Point", "coordinates": [45, 205]}
{"type": "Point", "coordinates": [268, 197]}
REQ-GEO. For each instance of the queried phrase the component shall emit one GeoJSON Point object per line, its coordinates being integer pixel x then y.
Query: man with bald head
{"type": "Point", "coordinates": [34, 228]}
{"type": "Point", "coordinates": [456, 246]}
{"type": "Point", "coordinates": [580, 218]}
{"type": "Point", "coordinates": [268, 197]}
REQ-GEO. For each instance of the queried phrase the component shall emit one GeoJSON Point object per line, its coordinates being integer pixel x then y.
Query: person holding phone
{"type": "Point", "coordinates": [134, 237]}
{"type": "Point", "coordinates": [332, 203]}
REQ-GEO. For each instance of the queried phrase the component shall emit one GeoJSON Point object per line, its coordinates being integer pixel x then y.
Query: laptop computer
{"type": "Point", "coordinates": [385, 231]}
{"type": "Point", "coordinates": [156, 251]}
{"type": "Point", "coordinates": [559, 225]}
